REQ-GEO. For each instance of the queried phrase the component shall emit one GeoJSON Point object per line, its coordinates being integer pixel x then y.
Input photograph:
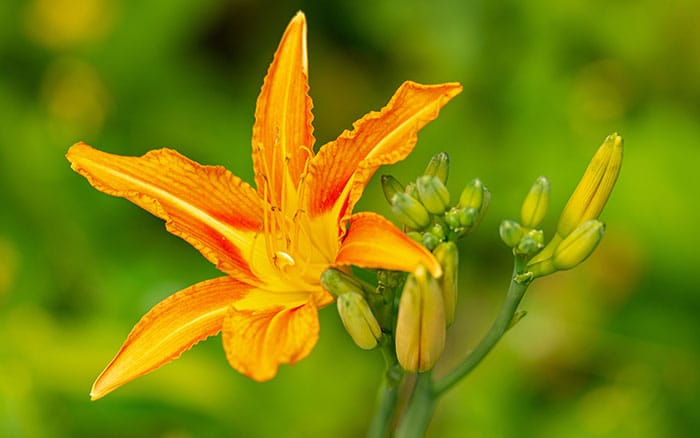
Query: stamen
{"type": "Point", "coordinates": [300, 196]}
{"type": "Point", "coordinates": [283, 261]}
{"type": "Point", "coordinates": [267, 227]}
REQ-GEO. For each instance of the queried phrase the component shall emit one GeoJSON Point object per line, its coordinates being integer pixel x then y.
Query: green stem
{"type": "Point", "coordinates": [516, 291]}
{"type": "Point", "coordinates": [388, 393]}
{"type": "Point", "coordinates": [419, 411]}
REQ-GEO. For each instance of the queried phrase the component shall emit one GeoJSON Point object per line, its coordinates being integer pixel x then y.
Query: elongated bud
{"type": "Point", "coordinates": [473, 195]}
{"type": "Point", "coordinates": [578, 245]}
{"type": "Point", "coordinates": [410, 211]}
{"type": "Point", "coordinates": [595, 186]}
{"type": "Point", "coordinates": [439, 166]}
{"type": "Point", "coordinates": [359, 321]}
{"type": "Point", "coordinates": [511, 232]}
{"type": "Point", "coordinates": [448, 255]}
{"type": "Point", "coordinates": [536, 202]}
{"type": "Point", "coordinates": [433, 194]}
{"type": "Point", "coordinates": [420, 327]}
{"type": "Point", "coordinates": [391, 186]}
{"type": "Point", "coordinates": [337, 282]}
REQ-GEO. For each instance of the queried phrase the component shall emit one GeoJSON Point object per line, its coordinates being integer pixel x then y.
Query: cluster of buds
{"type": "Point", "coordinates": [427, 305]}
{"type": "Point", "coordinates": [578, 231]}
{"type": "Point", "coordinates": [413, 311]}
{"type": "Point", "coordinates": [423, 206]}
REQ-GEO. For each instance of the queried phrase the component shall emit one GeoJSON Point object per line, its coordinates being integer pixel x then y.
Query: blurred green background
{"type": "Point", "coordinates": [609, 349]}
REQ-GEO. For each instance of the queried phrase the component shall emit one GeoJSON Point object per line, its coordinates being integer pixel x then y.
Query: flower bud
{"type": "Point", "coordinates": [578, 245]}
{"type": "Point", "coordinates": [595, 186]}
{"type": "Point", "coordinates": [337, 282]}
{"type": "Point", "coordinates": [531, 243]}
{"type": "Point", "coordinates": [358, 320]}
{"type": "Point", "coordinates": [438, 231]}
{"type": "Point", "coordinates": [511, 232]}
{"type": "Point", "coordinates": [448, 255]}
{"type": "Point", "coordinates": [433, 194]}
{"type": "Point", "coordinates": [391, 186]}
{"type": "Point", "coordinates": [415, 235]}
{"type": "Point", "coordinates": [439, 166]}
{"type": "Point", "coordinates": [430, 241]}
{"type": "Point", "coordinates": [467, 216]}
{"type": "Point", "coordinates": [536, 202]}
{"type": "Point", "coordinates": [473, 194]}
{"type": "Point", "coordinates": [410, 211]}
{"type": "Point", "coordinates": [420, 326]}
{"type": "Point", "coordinates": [452, 218]}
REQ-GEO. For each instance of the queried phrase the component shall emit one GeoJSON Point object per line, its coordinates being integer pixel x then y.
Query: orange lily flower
{"type": "Point", "coordinates": [272, 243]}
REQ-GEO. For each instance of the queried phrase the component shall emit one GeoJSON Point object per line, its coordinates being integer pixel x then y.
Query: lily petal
{"type": "Point", "coordinates": [342, 168]}
{"type": "Point", "coordinates": [374, 242]}
{"type": "Point", "coordinates": [207, 206]}
{"type": "Point", "coordinates": [258, 341]}
{"type": "Point", "coordinates": [283, 135]}
{"type": "Point", "coordinates": [170, 328]}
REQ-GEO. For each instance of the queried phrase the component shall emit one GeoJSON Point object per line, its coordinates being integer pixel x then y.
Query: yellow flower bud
{"type": "Point", "coordinates": [448, 255]}
{"type": "Point", "coordinates": [536, 202]}
{"type": "Point", "coordinates": [410, 211]}
{"type": "Point", "coordinates": [578, 245]}
{"type": "Point", "coordinates": [439, 166]}
{"type": "Point", "coordinates": [359, 321]}
{"type": "Point", "coordinates": [433, 194]}
{"type": "Point", "coordinates": [420, 327]}
{"type": "Point", "coordinates": [594, 189]}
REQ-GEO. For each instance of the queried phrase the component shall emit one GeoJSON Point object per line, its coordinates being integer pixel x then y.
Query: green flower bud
{"type": "Point", "coordinates": [415, 235]}
{"type": "Point", "coordinates": [439, 166]}
{"type": "Point", "coordinates": [430, 241]}
{"type": "Point", "coordinates": [452, 218]}
{"type": "Point", "coordinates": [433, 194]}
{"type": "Point", "coordinates": [448, 255]}
{"type": "Point", "coordinates": [391, 186]}
{"type": "Point", "coordinates": [438, 231]}
{"type": "Point", "coordinates": [511, 232]}
{"type": "Point", "coordinates": [473, 195]}
{"type": "Point", "coordinates": [528, 245]}
{"type": "Point", "coordinates": [537, 236]}
{"type": "Point", "coordinates": [578, 245]}
{"type": "Point", "coordinates": [359, 321]}
{"type": "Point", "coordinates": [536, 202]}
{"type": "Point", "coordinates": [337, 282]}
{"type": "Point", "coordinates": [420, 326]}
{"type": "Point", "coordinates": [410, 211]}
{"type": "Point", "coordinates": [467, 216]}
